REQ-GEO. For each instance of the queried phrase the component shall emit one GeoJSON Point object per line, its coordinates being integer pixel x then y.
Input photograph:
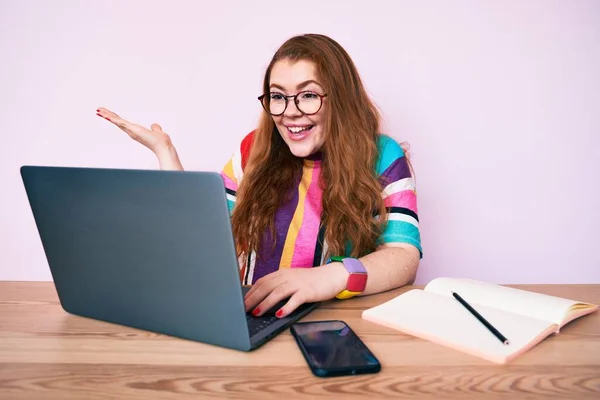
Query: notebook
{"type": "Point", "coordinates": [525, 318]}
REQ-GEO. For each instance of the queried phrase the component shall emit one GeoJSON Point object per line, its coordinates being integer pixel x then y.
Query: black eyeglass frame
{"type": "Point", "coordinates": [295, 97]}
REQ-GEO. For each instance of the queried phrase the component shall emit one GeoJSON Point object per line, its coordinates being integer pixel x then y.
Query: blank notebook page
{"type": "Point", "coordinates": [445, 320]}
{"type": "Point", "coordinates": [536, 305]}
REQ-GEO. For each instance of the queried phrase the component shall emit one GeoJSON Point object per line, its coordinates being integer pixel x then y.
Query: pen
{"type": "Point", "coordinates": [480, 318]}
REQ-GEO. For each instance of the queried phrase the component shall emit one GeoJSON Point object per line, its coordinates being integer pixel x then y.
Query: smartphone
{"type": "Point", "coordinates": [331, 348]}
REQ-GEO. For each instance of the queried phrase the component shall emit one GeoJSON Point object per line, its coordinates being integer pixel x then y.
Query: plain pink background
{"type": "Point", "coordinates": [500, 101]}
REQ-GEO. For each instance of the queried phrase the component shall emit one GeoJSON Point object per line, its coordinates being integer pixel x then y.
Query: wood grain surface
{"type": "Point", "coordinates": [46, 353]}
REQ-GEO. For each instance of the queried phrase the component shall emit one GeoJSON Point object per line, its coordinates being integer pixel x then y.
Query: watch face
{"type": "Point", "coordinates": [357, 282]}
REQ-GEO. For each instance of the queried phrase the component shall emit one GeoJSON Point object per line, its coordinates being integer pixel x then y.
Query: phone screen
{"type": "Point", "coordinates": [331, 348]}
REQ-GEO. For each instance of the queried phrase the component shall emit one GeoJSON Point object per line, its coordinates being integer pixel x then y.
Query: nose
{"type": "Point", "coordinates": [292, 109]}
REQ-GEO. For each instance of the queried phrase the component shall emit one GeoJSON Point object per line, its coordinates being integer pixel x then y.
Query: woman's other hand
{"type": "Point", "coordinates": [154, 138]}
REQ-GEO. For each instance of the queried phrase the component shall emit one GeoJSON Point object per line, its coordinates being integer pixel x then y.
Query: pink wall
{"type": "Point", "coordinates": [500, 101]}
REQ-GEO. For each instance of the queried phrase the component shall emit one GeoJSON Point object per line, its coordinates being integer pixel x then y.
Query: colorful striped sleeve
{"type": "Point", "coordinates": [399, 194]}
{"type": "Point", "coordinates": [233, 171]}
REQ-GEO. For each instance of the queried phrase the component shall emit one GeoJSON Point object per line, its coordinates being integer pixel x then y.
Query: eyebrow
{"type": "Point", "coordinates": [299, 86]}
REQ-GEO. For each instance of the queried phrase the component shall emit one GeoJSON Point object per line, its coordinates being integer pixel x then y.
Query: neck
{"type": "Point", "coordinates": [317, 156]}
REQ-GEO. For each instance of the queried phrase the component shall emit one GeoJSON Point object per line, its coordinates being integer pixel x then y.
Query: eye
{"type": "Point", "coordinates": [276, 96]}
{"type": "Point", "coordinates": [309, 96]}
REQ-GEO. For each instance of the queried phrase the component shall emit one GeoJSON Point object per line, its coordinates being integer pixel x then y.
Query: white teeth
{"type": "Point", "coordinates": [296, 129]}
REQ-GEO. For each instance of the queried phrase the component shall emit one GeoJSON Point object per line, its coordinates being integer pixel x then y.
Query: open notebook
{"type": "Point", "coordinates": [524, 318]}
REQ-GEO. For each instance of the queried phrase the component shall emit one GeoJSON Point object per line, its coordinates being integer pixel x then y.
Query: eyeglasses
{"type": "Point", "coordinates": [307, 102]}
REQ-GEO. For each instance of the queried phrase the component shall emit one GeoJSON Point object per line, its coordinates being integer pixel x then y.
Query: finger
{"type": "Point", "coordinates": [258, 284]}
{"type": "Point", "coordinates": [259, 291]}
{"type": "Point", "coordinates": [104, 112]}
{"type": "Point", "coordinates": [281, 292]}
{"type": "Point", "coordinates": [292, 304]}
{"type": "Point", "coordinates": [114, 118]}
{"type": "Point", "coordinates": [262, 289]}
{"type": "Point", "coordinates": [156, 127]}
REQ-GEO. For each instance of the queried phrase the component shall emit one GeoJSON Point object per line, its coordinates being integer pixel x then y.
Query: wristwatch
{"type": "Point", "coordinates": [357, 280]}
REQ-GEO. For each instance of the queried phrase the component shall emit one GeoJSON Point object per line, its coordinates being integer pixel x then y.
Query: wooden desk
{"type": "Point", "coordinates": [46, 353]}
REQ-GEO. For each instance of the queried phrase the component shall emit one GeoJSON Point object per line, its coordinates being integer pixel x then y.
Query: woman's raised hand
{"type": "Point", "coordinates": [154, 138]}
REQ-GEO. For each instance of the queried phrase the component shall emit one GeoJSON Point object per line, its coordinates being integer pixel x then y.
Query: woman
{"type": "Point", "coordinates": [315, 179]}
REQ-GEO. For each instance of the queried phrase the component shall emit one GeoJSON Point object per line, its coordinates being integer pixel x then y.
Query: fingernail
{"type": "Point", "coordinates": [279, 313]}
{"type": "Point", "coordinates": [106, 119]}
{"type": "Point", "coordinates": [255, 312]}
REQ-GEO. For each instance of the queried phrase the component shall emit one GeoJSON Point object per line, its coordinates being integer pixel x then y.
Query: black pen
{"type": "Point", "coordinates": [480, 318]}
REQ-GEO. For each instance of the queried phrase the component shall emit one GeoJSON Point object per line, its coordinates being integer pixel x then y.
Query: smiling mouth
{"type": "Point", "coordinates": [296, 130]}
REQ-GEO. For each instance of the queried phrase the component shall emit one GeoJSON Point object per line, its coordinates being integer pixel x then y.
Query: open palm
{"type": "Point", "coordinates": [153, 138]}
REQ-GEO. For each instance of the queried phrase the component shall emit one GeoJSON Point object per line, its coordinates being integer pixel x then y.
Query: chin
{"type": "Point", "coordinates": [302, 151]}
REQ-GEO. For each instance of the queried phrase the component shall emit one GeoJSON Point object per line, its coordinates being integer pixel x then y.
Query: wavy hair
{"type": "Point", "coordinates": [351, 191]}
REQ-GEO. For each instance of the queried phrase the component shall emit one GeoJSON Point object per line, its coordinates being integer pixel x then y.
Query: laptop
{"type": "Point", "coordinates": [152, 250]}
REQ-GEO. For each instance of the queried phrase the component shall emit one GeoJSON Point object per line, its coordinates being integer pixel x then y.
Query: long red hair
{"type": "Point", "coordinates": [351, 191]}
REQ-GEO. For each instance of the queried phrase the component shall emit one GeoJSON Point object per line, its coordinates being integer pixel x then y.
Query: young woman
{"type": "Point", "coordinates": [316, 179]}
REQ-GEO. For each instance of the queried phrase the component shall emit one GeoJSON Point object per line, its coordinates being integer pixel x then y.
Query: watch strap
{"type": "Point", "coordinates": [357, 278]}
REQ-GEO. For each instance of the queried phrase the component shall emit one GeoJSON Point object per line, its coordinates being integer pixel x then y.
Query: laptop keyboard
{"type": "Point", "coordinates": [257, 324]}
